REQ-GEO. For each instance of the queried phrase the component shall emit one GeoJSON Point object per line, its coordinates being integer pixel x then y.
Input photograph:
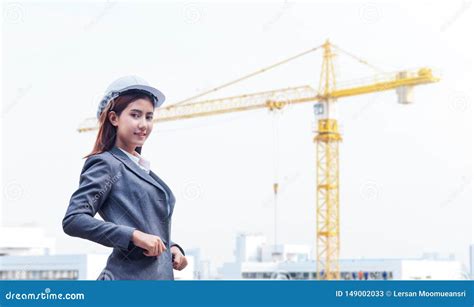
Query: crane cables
{"type": "Point", "coordinates": [358, 59]}
{"type": "Point", "coordinates": [276, 158]}
{"type": "Point", "coordinates": [260, 71]}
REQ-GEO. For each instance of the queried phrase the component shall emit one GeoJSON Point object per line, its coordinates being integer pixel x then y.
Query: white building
{"type": "Point", "coordinates": [199, 269]}
{"type": "Point", "coordinates": [253, 248]}
{"type": "Point", "coordinates": [66, 267]}
{"type": "Point", "coordinates": [26, 253]}
{"type": "Point", "coordinates": [52, 267]}
{"type": "Point", "coordinates": [262, 261]}
{"type": "Point", "coordinates": [25, 241]}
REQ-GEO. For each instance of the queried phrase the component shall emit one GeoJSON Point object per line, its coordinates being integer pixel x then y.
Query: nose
{"type": "Point", "coordinates": [142, 124]}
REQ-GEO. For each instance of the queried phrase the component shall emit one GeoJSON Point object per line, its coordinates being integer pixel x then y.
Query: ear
{"type": "Point", "coordinates": [113, 118]}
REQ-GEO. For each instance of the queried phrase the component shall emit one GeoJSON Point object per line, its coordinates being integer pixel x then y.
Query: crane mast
{"type": "Point", "coordinates": [327, 173]}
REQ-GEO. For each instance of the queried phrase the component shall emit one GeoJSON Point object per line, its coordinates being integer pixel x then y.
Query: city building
{"type": "Point", "coordinates": [25, 241]}
{"type": "Point", "coordinates": [258, 260]}
{"type": "Point", "coordinates": [27, 254]}
{"type": "Point", "coordinates": [66, 267]}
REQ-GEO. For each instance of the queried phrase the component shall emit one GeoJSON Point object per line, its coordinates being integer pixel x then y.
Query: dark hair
{"type": "Point", "coordinates": [107, 134]}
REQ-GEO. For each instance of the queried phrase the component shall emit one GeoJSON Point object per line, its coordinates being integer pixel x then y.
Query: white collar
{"type": "Point", "coordinates": [138, 159]}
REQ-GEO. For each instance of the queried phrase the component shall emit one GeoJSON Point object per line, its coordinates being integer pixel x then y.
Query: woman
{"type": "Point", "coordinates": [116, 181]}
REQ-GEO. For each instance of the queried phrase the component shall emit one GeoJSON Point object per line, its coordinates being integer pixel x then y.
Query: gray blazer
{"type": "Point", "coordinates": [127, 198]}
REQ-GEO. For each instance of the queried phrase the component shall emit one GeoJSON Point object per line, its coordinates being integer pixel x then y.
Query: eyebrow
{"type": "Point", "coordinates": [139, 111]}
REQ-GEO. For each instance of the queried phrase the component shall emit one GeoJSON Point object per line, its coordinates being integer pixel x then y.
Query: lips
{"type": "Point", "coordinates": [140, 134]}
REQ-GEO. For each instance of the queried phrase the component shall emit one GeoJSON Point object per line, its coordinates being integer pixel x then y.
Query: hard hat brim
{"type": "Point", "coordinates": [158, 96]}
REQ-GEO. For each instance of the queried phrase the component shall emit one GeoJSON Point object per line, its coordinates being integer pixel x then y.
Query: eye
{"type": "Point", "coordinates": [135, 115]}
{"type": "Point", "coordinates": [149, 117]}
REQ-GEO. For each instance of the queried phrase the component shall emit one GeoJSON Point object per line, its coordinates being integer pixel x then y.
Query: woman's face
{"type": "Point", "coordinates": [134, 124]}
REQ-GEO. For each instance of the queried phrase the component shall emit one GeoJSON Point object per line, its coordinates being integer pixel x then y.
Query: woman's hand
{"type": "Point", "coordinates": [153, 245]}
{"type": "Point", "coordinates": [179, 260]}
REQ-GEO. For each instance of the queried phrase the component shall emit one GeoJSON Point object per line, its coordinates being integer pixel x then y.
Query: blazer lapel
{"type": "Point", "coordinates": [117, 153]}
{"type": "Point", "coordinates": [161, 182]}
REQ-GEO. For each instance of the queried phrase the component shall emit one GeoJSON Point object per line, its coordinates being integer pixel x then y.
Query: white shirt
{"type": "Point", "coordinates": [139, 160]}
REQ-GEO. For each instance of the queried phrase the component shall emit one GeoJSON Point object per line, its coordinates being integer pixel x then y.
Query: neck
{"type": "Point", "coordinates": [128, 148]}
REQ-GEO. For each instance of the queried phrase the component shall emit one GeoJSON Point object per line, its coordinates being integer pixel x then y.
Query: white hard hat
{"type": "Point", "coordinates": [129, 83]}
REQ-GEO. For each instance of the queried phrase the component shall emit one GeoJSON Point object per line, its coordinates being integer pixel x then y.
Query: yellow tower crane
{"type": "Point", "coordinates": [327, 136]}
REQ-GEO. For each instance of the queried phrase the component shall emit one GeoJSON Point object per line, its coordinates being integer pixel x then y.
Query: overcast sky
{"type": "Point", "coordinates": [405, 170]}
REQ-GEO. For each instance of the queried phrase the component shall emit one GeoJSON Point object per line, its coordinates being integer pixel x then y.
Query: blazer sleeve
{"type": "Point", "coordinates": [180, 248]}
{"type": "Point", "coordinates": [94, 187]}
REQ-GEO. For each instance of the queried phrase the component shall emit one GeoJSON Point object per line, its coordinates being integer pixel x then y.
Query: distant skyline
{"type": "Point", "coordinates": [406, 170]}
